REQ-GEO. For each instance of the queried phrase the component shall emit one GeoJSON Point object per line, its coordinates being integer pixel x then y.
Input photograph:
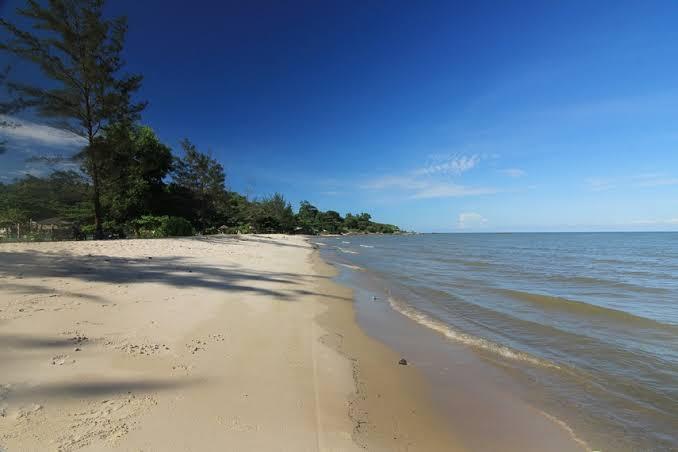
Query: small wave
{"type": "Point", "coordinates": [352, 267]}
{"type": "Point", "coordinates": [346, 243]}
{"type": "Point", "coordinates": [568, 429]}
{"type": "Point", "coordinates": [590, 281]}
{"type": "Point", "coordinates": [343, 250]}
{"type": "Point", "coordinates": [467, 339]}
{"type": "Point", "coordinates": [319, 243]}
{"type": "Point", "coordinates": [367, 246]}
{"type": "Point", "coordinates": [575, 306]}
{"type": "Point", "coordinates": [465, 262]}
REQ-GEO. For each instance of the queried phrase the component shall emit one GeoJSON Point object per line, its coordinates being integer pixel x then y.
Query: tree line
{"type": "Point", "coordinates": [129, 182]}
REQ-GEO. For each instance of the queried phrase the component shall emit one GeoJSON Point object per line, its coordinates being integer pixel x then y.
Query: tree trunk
{"type": "Point", "coordinates": [96, 200]}
{"type": "Point", "coordinates": [98, 230]}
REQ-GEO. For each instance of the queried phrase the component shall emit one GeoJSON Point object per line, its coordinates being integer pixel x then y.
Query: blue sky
{"type": "Point", "coordinates": [436, 116]}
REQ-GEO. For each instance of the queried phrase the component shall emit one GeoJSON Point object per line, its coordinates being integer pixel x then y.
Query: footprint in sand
{"type": "Point", "coordinates": [198, 345]}
{"type": "Point", "coordinates": [183, 368]}
{"type": "Point", "coordinates": [217, 337]}
{"type": "Point", "coordinates": [143, 349]}
{"type": "Point", "coordinates": [236, 425]}
{"type": "Point", "coordinates": [105, 421]}
{"type": "Point", "coordinates": [60, 360]}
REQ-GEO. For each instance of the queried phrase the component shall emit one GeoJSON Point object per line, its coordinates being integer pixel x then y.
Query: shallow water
{"type": "Point", "coordinates": [585, 323]}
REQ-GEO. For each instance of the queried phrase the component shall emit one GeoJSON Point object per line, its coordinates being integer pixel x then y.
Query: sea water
{"type": "Point", "coordinates": [586, 323]}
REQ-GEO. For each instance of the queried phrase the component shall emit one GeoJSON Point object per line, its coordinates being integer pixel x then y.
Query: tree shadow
{"type": "Point", "coordinates": [33, 342]}
{"type": "Point", "coordinates": [34, 289]}
{"type": "Point", "coordinates": [98, 389]}
{"type": "Point", "coordinates": [176, 271]}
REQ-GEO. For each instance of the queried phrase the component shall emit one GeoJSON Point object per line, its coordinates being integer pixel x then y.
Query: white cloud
{"type": "Point", "coordinates": [449, 190]}
{"type": "Point", "coordinates": [400, 182]}
{"type": "Point", "coordinates": [450, 164]}
{"type": "Point", "coordinates": [600, 184]}
{"type": "Point", "coordinates": [668, 221]}
{"type": "Point", "coordinates": [31, 133]}
{"type": "Point", "coordinates": [513, 172]}
{"type": "Point", "coordinates": [654, 180]}
{"type": "Point", "coordinates": [433, 180]}
{"type": "Point", "coordinates": [471, 220]}
{"type": "Point", "coordinates": [420, 188]}
{"type": "Point", "coordinates": [643, 180]}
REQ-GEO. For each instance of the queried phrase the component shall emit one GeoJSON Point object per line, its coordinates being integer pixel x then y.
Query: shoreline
{"type": "Point", "coordinates": [194, 344]}
{"type": "Point", "coordinates": [470, 390]}
{"type": "Point", "coordinates": [392, 408]}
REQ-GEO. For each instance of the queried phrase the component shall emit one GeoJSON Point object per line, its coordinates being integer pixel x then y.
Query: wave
{"type": "Point", "coordinates": [346, 243]}
{"type": "Point", "coordinates": [590, 281]}
{"type": "Point", "coordinates": [562, 424]}
{"type": "Point", "coordinates": [580, 307]}
{"type": "Point", "coordinates": [352, 267]}
{"type": "Point", "coordinates": [466, 262]}
{"type": "Point", "coordinates": [346, 251]}
{"type": "Point", "coordinates": [367, 246]}
{"type": "Point", "coordinates": [467, 339]}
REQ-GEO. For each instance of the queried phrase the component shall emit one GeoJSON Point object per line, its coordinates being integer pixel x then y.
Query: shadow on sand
{"type": "Point", "coordinates": [176, 271]}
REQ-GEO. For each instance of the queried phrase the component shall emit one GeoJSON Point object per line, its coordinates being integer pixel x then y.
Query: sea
{"type": "Point", "coordinates": [581, 326]}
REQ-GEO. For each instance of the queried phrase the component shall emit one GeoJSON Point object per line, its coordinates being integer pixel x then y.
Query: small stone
{"type": "Point", "coordinates": [77, 349]}
{"type": "Point", "coordinates": [402, 362]}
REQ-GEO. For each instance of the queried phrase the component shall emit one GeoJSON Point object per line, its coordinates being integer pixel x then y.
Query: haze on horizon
{"type": "Point", "coordinates": [446, 116]}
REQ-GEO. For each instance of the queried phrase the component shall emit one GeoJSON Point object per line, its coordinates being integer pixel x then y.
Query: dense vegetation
{"type": "Point", "coordinates": [129, 183]}
{"type": "Point", "coordinates": [185, 197]}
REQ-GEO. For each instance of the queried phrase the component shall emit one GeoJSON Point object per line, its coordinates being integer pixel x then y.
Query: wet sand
{"type": "Point", "coordinates": [481, 408]}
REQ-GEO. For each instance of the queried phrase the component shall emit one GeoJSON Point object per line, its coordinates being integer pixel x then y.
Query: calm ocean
{"type": "Point", "coordinates": [586, 323]}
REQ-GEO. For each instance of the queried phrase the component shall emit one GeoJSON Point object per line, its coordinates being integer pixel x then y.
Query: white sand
{"type": "Point", "coordinates": [190, 344]}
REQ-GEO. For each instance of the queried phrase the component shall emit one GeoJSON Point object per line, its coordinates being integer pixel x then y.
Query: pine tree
{"type": "Point", "coordinates": [79, 53]}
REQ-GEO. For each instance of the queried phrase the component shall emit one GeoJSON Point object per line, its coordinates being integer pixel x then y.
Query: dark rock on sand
{"type": "Point", "coordinates": [402, 362]}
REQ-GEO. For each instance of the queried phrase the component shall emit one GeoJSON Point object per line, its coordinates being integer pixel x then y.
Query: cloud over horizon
{"type": "Point", "coordinates": [25, 134]}
{"type": "Point", "coordinates": [433, 180]}
{"type": "Point", "coordinates": [471, 220]}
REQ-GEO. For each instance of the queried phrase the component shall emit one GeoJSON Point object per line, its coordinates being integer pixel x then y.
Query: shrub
{"type": "Point", "coordinates": [149, 226]}
{"type": "Point", "coordinates": [176, 227]}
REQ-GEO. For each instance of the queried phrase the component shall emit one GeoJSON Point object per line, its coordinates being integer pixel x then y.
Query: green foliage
{"type": "Point", "coordinates": [176, 227]}
{"type": "Point", "coordinates": [272, 214]}
{"type": "Point", "coordinates": [308, 220]}
{"type": "Point", "coordinates": [63, 194]}
{"type": "Point", "coordinates": [79, 53]}
{"type": "Point", "coordinates": [331, 222]}
{"type": "Point", "coordinates": [130, 182]}
{"type": "Point", "coordinates": [198, 190]}
{"type": "Point", "coordinates": [149, 226]}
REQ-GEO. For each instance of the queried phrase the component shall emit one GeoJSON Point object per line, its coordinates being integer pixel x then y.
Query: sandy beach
{"type": "Point", "coordinates": [205, 343]}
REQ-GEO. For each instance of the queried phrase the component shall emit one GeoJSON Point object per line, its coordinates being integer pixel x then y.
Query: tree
{"type": "Point", "coordinates": [274, 214]}
{"type": "Point", "coordinates": [199, 185]}
{"type": "Point", "coordinates": [132, 181]}
{"type": "Point", "coordinates": [79, 53]}
{"type": "Point", "coordinates": [63, 194]}
{"type": "Point", "coordinates": [331, 222]}
{"type": "Point", "coordinates": [7, 108]}
{"type": "Point", "coordinates": [307, 218]}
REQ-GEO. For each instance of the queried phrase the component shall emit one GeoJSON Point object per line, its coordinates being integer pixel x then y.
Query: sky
{"type": "Point", "coordinates": [436, 116]}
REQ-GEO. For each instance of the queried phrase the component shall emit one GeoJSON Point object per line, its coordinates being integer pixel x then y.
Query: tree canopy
{"type": "Point", "coordinates": [79, 53]}
{"type": "Point", "coordinates": [129, 182]}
